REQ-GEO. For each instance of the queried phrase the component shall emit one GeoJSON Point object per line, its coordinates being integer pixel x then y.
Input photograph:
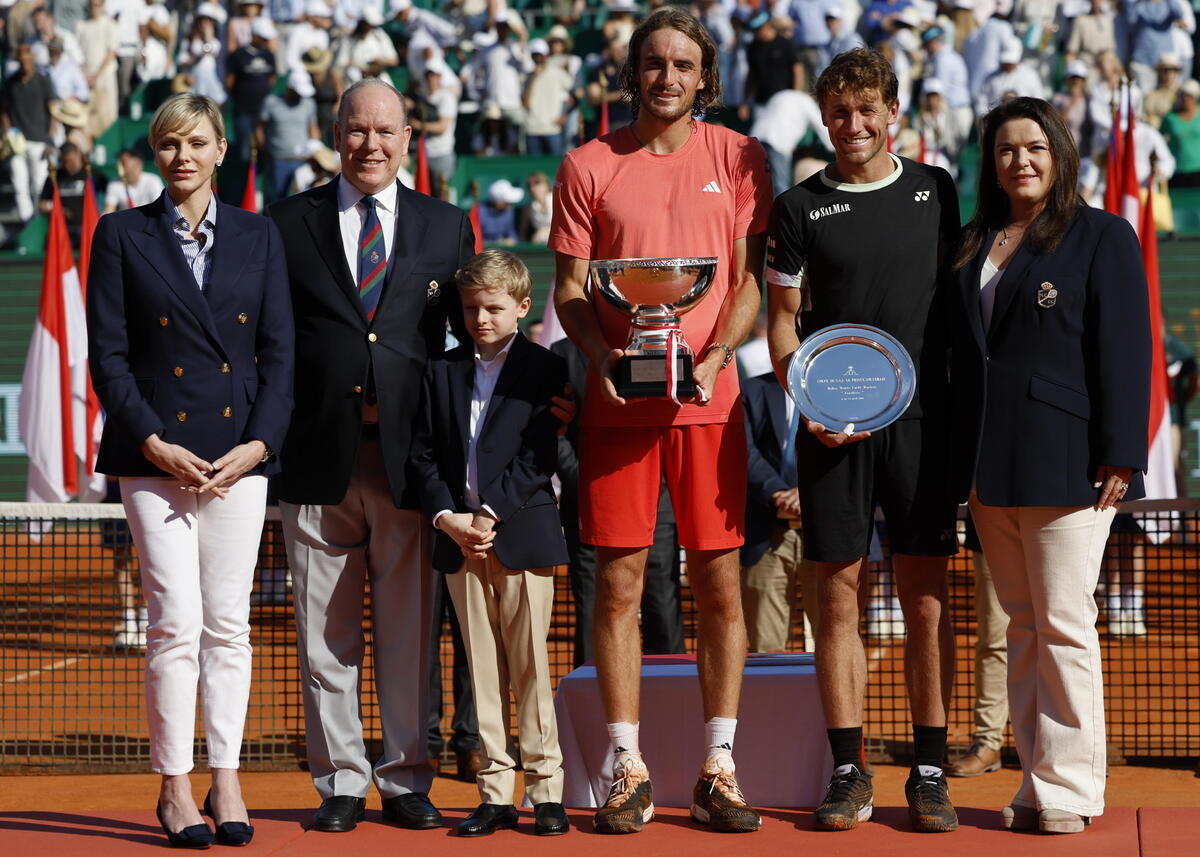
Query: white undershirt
{"type": "Point", "coordinates": [487, 373]}
{"type": "Point", "coordinates": [989, 278]}
{"type": "Point", "coordinates": [351, 216]}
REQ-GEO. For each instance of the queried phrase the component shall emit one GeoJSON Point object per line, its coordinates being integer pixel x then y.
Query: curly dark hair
{"type": "Point", "coordinates": [992, 205]}
{"type": "Point", "coordinates": [858, 70]}
{"type": "Point", "coordinates": [708, 98]}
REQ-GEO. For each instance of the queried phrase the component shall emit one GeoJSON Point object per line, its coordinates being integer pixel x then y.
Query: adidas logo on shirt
{"type": "Point", "coordinates": [711, 187]}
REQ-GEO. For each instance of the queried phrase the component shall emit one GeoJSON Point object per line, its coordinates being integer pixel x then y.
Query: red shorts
{"type": "Point", "coordinates": [620, 477]}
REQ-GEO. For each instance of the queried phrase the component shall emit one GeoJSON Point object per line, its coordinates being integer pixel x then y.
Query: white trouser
{"type": "Point", "coordinates": [198, 554]}
{"type": "Point", "coordinates": [1045, 563]}
{"type": "Point", "coordinates": [28, 171]}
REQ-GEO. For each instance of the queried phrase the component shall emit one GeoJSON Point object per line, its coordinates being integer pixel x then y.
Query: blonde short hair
{"type": "Point", "coordinates": [183, 112]}
{"type": "Point", "coordinates": [495, 269]}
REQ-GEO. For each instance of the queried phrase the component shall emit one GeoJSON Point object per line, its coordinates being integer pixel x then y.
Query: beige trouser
{"type": "Point", "coordinates": [991, 659]}
{"type": "Point", "coordinates": [769, 591]}
{"type": "Point", "coordinates": [1045, 565]}
{"type": "Point", "coordinates": [505, 617]}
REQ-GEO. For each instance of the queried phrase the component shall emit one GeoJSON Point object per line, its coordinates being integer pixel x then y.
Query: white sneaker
{"type": "Point", "coordinates": [130, 637]}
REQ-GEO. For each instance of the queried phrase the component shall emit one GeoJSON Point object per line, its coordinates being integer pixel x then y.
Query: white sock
{"type": "Point", "coordinates": [624, 738]}
{"type": "Point", "coordinates": [718, 735]}
{"type": "Point", "coordinates": [1133, 599]}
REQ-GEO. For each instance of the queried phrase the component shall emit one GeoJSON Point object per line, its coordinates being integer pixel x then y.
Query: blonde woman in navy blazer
{"type": "Point", "coordinates": [1050, 385]}
{"type": "Point", "coordinates": [191, 349]}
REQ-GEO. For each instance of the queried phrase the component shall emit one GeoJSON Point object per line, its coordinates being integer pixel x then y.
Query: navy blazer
{"type": "Point", "coordinates": [341, 356]}
{"type": "Point", "coordinates": [517, 453]}
{"type": "Point", "coordinates": [205, 370]}
{"type": "Point", "coordinates": [1047, 395]}
{"type": "Point", "coordinates": [766, 428]}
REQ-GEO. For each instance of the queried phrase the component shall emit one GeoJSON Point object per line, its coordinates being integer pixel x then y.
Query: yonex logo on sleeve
{"type": "Point", "coordinates": [921, 195]}
{"type": "Point", "coordinates": [711, 187]}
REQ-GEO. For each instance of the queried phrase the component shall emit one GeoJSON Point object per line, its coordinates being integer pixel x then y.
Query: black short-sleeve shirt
{"type": "Point", "coordinates": [872, 254]}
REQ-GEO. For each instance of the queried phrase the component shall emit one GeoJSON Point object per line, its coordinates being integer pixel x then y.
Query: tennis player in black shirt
{"type": "Point", "coordinates": [865, 241]}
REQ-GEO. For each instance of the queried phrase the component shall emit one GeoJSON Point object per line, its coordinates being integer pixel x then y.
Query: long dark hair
{"type": "Point", "coordinates": [708, 98]}
{"type": "Point", "coordinates": [992, 203]}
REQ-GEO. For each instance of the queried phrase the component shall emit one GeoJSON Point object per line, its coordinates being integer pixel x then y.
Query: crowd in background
{"type": "Point", "coordinates": [71, 67]}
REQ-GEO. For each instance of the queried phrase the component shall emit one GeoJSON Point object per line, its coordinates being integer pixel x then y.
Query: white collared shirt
{"type": "Point", "coordinates": [351, 216]}
{"type": "Point", "coordinates": [487, 373]}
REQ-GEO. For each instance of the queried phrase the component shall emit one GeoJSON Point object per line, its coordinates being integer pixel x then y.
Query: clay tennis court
{"type": "Point", "coordinates": [71, 705]}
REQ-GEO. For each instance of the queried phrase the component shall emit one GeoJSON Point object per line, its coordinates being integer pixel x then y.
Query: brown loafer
{"type": "Point", "coordinates": [976, 761]}
{"type": "Point", "coordinates": [469, 762]}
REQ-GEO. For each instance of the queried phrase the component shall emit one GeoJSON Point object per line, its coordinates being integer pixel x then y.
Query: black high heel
{"type": "Point", "coordinates": [195, 836]}
{"type": "Point", "coordinates": [228, 832]}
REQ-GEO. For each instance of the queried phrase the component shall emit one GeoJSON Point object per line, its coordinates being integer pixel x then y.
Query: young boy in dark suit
{"type": "Point", "coordinates": [483, 456]}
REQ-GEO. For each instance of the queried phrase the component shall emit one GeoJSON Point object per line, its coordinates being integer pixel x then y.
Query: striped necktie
{"type": "Point", "coordinates": [372, 259]}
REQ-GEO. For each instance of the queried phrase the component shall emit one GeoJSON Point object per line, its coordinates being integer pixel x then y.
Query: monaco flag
{"type": "Point", "coordinates": [53, 407]}
{"type": "Point", "coordinates": [1160, 471]}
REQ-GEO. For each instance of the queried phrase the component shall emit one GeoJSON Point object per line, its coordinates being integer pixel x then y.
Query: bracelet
{"type": "Point", "coordinates": [728, 352]}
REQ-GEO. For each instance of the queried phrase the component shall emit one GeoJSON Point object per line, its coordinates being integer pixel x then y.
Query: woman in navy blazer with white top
{"type": "Point", "coordinates": [191, 351]}
{"type": "Point", "coordinates": [1050, 386]}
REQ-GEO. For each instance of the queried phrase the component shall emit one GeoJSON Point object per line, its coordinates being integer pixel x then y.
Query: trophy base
{"type": "Point", "coordinates": [645, 376]}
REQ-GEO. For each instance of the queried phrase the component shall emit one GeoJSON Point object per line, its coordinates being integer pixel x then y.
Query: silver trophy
{"type": "Point", "coordinates": [655, 292]}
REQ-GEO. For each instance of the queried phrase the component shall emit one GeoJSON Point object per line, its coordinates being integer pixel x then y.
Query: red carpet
{"type": "Point", "coordinates": [1121, 831]}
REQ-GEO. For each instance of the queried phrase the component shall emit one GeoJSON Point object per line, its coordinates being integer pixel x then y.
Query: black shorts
{"type": "Point", "coordinates": [901, 468]}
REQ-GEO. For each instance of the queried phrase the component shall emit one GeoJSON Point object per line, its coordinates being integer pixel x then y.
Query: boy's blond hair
{"type": "Point", "coordinates": [495, 269]}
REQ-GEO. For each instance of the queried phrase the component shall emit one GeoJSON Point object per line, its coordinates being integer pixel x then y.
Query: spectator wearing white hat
{"type": "Point", "coordinates": [548, 98]}
{"type": "Point", "coordinates": [1161, 99]}
{"type": "Point", "coordinates": [497, 216]}
{"type": "Point", "coordinates": [1109, 91]}
{"type": "Point", "coordinates": [250, 77]}
{"type": "Point", "coordinates": [157, 29]}
{"type": "Point", "coordinates": [98, 39]}
{"type": "Point", "coordinates": [238, 33]}
{"type": "Point", "coordinates": [1013, 78]}
{"type": "Point", "coordinates": [1091, 35]}
{"type": "Point", "coordinates": [619, 24]}
{"type": "Point", "coordinates": [202, 57]}
{"type": "Point", "coordinates": [435, 118]}
{"type": "Point", "coordinates": [367, 51]}
{"type": "Point", "coordinates": [311, 32]}
{"type": "Point", "coordinates": [941, 130]}
{"type": "Point", "coordinates": [842, 36]}
{"type": "Point", "coordinates": [947, 66]}
{"type": "Point", "coordinates": [981, 50]}
{"type": "Point", "coordinates": [1072, 104]}
{"type": "Point", "coordinates": [286, 123]}
{"type": "Point", "coordinates": [1181, 130]}
{"type": "Point", "coordinates": [348, 13]}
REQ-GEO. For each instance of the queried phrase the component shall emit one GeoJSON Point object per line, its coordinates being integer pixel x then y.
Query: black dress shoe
{"type": "Point", "coordinates": [196, 836]}
{"type": "Point", "coordinates": [228, 832]}
{"type": "Point", "coordinates": [339, 813]}
{"type": "Point", "coordinates": [550, 819]}
{"type": "Point", "coordinates": [488, 818]}
{"type": "Point", "coordinates": [412, 810]}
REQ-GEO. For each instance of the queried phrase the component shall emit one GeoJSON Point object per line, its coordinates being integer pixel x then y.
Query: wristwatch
{"type": "Point", "coordinates": [728, 352]}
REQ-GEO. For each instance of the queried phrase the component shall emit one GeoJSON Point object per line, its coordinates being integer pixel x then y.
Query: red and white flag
{"type": "Point", "coordinates": [55, 371]}
{"type": "Point", "coordinates": [421, 179]}
{"type": "Point", "coordinates": [1160, 472]}
{"type": "Point", "coordinates": [92, 419]}
{"type": "Point", "coordinates": [476, 226]}
{"type": "Point", "coordinates": [552, 329]}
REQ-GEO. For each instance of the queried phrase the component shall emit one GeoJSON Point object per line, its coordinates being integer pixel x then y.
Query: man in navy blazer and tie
{"type": "Point", "coordinates": [483, 456]}
{"type": "Point", "coordinates": [371, 266]}
{"type": "Point", "coordinates": [772, 557]}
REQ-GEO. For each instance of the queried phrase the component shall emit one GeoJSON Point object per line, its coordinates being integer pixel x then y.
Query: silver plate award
{"type": "Point", "coordinates": [852, 377]}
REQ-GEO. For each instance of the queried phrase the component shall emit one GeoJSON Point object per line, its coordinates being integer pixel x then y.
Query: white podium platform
{"type": "Point", "coordinates": [782, 754]}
